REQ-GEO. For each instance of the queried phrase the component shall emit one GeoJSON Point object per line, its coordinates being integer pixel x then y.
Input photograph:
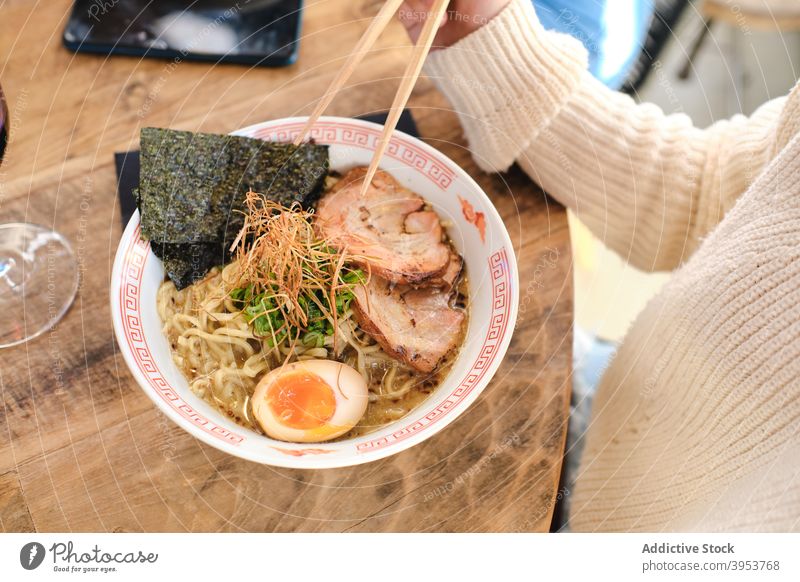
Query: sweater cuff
{"type": "Point", "coordinates": [507, 81]}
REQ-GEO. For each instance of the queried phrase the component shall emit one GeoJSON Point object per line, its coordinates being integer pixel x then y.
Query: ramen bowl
{"type": "Point", "coordinates": [475, 229]}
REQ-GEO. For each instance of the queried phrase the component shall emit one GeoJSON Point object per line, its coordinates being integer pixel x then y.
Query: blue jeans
{"type": "Point", "coordinates": [611, 30]}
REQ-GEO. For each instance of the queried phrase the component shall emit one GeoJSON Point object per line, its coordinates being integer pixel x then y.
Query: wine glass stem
{"type": "Point", "coordinates": [6, 264]}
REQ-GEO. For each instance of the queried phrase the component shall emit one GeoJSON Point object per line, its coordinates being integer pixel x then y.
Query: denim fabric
{"type": "Point", "coordinates": [611, 30]}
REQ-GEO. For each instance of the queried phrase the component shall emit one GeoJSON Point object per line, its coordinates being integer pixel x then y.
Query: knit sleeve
{"type": "Point", "coordinates": [649, 185]}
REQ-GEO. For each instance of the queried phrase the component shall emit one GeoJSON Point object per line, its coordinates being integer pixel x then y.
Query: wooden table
{"type": "Point", "coordinates": [82, 448]}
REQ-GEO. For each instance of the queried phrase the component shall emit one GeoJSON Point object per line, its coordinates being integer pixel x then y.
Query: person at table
{"type": "Point", "coordinates": [696, 424]}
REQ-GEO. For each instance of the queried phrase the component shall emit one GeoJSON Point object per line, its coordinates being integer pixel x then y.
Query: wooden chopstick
{"type": "Point", "coordinates": [376, 27]}
{"type": "Point", "coordinates": [410, 77]}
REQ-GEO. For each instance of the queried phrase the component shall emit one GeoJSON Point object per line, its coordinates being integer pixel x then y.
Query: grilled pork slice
{"type": "Point", "coordinates": [448, 279]}
{"type": "Point", "coordinates": [388, 228]}
{"type": "Point", "coordinates": [416, 326]}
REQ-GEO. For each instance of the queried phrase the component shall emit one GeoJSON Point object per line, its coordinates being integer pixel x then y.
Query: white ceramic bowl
{"type": "Point", "coordinates": [494, 293]}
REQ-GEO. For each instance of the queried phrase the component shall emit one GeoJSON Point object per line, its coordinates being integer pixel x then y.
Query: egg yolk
{"type": "Point", "coordinates": [301, 400]}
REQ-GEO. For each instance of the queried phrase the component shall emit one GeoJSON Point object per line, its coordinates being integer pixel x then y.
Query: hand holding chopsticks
{"type": "Point", "coordinates": [412, 72]}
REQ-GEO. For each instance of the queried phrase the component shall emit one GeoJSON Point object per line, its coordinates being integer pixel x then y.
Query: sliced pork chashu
{"type": "Point", "coordinates": [447, 280]}
{"type": "Point", "coordinates": [388, 228]}
{"type": "Point", "coordinates": [416, 326]}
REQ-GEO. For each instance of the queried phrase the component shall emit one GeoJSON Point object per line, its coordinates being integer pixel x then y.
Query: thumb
{"type": "Point", "coordinates": [414, 13]}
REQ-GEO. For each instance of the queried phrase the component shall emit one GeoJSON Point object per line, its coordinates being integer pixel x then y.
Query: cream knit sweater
{"type": "Point", "coordinates": [696, 425]}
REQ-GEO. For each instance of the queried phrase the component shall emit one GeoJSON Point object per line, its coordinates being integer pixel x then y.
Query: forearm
{"type": "Point", "coordinates": [650, 185]}
{"type": "Point", "coordinates": [631, 174]}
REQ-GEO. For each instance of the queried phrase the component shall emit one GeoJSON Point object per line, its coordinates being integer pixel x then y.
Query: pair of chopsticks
{"type": "Point", "coordinates": [412, 72]}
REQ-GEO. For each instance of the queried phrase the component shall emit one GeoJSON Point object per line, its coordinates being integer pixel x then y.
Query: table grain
{"type": "Point", "coordinates": [82, 448]}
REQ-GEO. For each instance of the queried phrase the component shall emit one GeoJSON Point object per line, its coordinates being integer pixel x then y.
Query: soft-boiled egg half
{"type": "Point", "coordinates": [310, 401]}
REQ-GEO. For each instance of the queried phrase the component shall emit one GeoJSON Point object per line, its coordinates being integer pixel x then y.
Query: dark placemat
{"type": "Point", "coordinates": [128, 164]}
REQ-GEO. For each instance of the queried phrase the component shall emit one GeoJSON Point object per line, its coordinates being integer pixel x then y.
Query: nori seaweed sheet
{"type": "Point", "coordinates": [187, 263]}
{"type": "Point", "coordinates": [192, 189]}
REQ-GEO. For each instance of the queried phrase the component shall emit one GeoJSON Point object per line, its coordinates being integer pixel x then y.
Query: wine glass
{"type": "Point", "coordinates": [38, 271]}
